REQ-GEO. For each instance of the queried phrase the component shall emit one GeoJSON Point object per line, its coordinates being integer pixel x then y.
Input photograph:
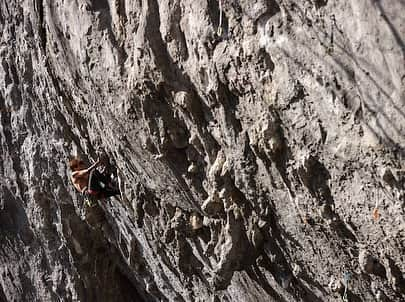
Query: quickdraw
{"type": "Point", "coordinates": [376, 214]}
{"type": "Point", "coordinates": [346, 279]}
{"type": "Point", "coordinates": [219, 31]}
{"type": "Point", "coordinates": [90, 203]}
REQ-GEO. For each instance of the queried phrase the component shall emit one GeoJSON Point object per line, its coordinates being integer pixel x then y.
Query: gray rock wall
{"type": "Point", "coordinates": [253, 140]}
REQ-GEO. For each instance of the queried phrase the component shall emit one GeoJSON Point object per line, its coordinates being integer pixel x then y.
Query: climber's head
{"type": "Point", "coordinates": [76, 164]}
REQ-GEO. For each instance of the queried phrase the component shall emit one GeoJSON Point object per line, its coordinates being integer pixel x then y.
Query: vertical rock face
{"type": "Point", "coordinates": [258, 145]}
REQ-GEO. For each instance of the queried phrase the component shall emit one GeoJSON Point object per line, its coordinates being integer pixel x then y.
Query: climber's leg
{"type": "Point", "coordinates": [97, 182]}
{"type": "Point", "coordinates": [101, 185]}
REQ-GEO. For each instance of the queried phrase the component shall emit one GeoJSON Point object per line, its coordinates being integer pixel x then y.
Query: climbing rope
{"type": "Point", "coordinates": [346, 279]}
{"type": "Point", "coordinates": [219, 31]}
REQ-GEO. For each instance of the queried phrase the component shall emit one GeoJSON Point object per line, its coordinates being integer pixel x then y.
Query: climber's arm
{"type": "Point", "coordinates": [80, 173]}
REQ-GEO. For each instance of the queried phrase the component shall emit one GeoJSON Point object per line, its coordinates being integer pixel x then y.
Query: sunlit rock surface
{"type": "Point", "coordinates": [259, 147]}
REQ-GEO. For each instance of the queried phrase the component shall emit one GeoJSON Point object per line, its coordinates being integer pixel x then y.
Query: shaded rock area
{"type": "Point", "coordinates": [259, 148]}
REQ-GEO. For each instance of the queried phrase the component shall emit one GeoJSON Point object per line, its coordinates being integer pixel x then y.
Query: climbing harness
{"type": "Point", "coordinates": [346, 279]}
{"type": "Point", "coordinates": [219, 31]}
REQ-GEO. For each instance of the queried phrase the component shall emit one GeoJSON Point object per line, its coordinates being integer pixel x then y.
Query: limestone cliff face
{"type": "Point", "coordinates": [259, 148]}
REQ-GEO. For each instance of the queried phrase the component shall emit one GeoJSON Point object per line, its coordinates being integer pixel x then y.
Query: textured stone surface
{"type": "Point", "coordinates": [259, 148]}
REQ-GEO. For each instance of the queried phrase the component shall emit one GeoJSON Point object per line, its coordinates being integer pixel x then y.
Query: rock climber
{"type": "Point", "coordinates": [90, 182]}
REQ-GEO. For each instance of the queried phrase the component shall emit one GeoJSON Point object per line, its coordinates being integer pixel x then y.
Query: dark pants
{"type": "Point", "coordinates": [100, 186]}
